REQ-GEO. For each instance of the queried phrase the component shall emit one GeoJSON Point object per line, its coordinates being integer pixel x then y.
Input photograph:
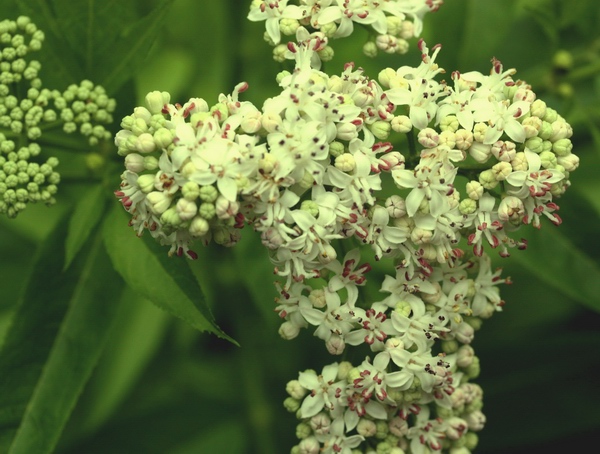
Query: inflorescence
{"type": "Point", "coordinates": [390, 23]}
{"type": "Point", "coordinates": [336, 172]}
{"type": "Point", "coordinates": [28, 110]}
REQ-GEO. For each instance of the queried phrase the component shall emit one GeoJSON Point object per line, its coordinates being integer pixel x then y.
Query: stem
{"type": "Point", "coordinates": [412, 145]}
{"type": "Point", "coordinates": [63, 141]}
{"type": "Point", "coordinates": [584, 72]}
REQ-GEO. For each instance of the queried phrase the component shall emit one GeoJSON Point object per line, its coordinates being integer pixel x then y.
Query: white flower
{"type": "Point", "coordinates": [503, 117]}
{"type": "Point", "coordinates": [324, 390]}
{"type": "Point", "coordinates": [336, 441]}
{"type": "Point", "coordinates": [432, 184]}
{"type": "Point", "coordinates": [272, 12]}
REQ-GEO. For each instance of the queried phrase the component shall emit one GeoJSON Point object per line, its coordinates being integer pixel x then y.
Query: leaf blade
{"type": "Point", "coordinates": [86, 216]}
{"type": "Point", "coordinates": [75, 351]}
{"type": "Point", "coordinates": [552, 257]}
{"type": "Point", "coordinates": [168, 283]}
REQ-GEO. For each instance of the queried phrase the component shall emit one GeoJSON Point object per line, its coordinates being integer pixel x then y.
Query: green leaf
{"type": "Point", "coordinates": [228, 435]}
{"type": "Point", "coordinates": [146, 267]}
{"type": "Point", "coordinates": [107, 36]}
{"type": "Point", "coordinates": [104, 41]}
{"type": "Point", "coordinates": [556, 261]}
{"type": "Point", "coordinates": [542, 377]}
{"type": "Point", "coordinates": [60, 66]}
{"type": "Point", "coordinates": [88, 211]}
{"type": "Point", "coordinates": [56, 337]}
{"type": "Point", "coordinates": [257, 276]}
{"type": "Point", "coordinates": [136, 334]}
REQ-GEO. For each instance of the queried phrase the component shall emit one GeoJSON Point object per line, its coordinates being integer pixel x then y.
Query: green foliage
{"type": "Point", "coordinates": [91, 359]}
{"type": "Point", "coordinates": [168, 283]}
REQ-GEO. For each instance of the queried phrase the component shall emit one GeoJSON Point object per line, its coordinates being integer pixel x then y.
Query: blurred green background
{"type": "Point", "coordinates": [161, 387]}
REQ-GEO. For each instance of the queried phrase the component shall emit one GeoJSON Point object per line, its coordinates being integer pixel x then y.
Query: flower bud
{"type": "Point", "coordinates": [464, 333]}
{"type": "Point", "coordinates": [146, 183]}
{"type": "Point", "coordinates": [345, 162]}
{"type": "Point", "coordinates": [488, 179]}
{"type": "Point", "coordinates": [320, 423]}
{"type": "Point", "coordinates": [370, 49]}
{"type": "Point", "coordinates": [150, 163]}
{"type": "Point", "coordinates": [346, 131]}
{"type": "Point", "coordinates": [186, 209]}
{"type": "Point", "coordinates": [387, 43]}
{"type": "Point", "coordinates": [546, 130]}
{"type": "Point", "coordinates": [385, 76]}
{"type": "Point", "coordinates": [465, 356]}
{"type": "Point", "coordinates": [535, 144]}
{"type": "Point", "coordinates": [199, 227]}
{"type": "Point", "coordinates": [366, 428]}
{"type": "Point", "coordinates": [428, 137]}
{"type": "Point", "coordinates": [335, 345]}
{"type": "Point", "coordinates": [290, 404]}
{"type": "Point", "coordinates": [475, 420]}
{"type": "Point", "coordinates": [309, 445]}
{"type": "Point", "coordinates": [326, 54]}
{"type": "Point", "coordinates": [381, 129]}
{"type": "Point", "coordinates": [208, 193]}
{"type": "Point", "coordinates": [569, 161]}
{"type": "Point", "coordinates": [396, 206]}
{"type": "Point", "coordinates": [288, 330]}
{"type": "Point", "coordinates": [401, 124]}
{"type": "Point", "coordinates": [156, 100]}
{"type": "Point", "coordinates": [562, 147]}
{"type": "Point", "coordinates": [480, 152]}
{"type": "Point", "coordinates": [501, 170]}
{"type": "Point", "coordinates": [134, 162]}
{"type": "Point", "coordinates": [511, 210]}
{"type": "Point", "coordinates": [163, 137]}
{"type": "Point", "coordinates": [159, 201]}
{"type": "Point", "coordinates": [145, 143]}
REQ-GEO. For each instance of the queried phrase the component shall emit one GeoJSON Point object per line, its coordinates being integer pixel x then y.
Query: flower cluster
{"type": "Point", "coordinates": [391, 23]}
{"type": "Point", "coordinates": [188, 167]}
{"type": "Point", "coordinates": [27, 110]}
{"type": "Point", "coordinates": [337, 173]}
{"type": "Point", "coordinates": [413, 391]}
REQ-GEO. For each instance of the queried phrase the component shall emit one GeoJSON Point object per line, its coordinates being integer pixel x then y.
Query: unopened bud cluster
{"type": "Point", "coordinates": [27, 110]}
{"type": "Point", "coordinates": [338, 171]}
{"type": "Point", "coordinates": [391, 23]}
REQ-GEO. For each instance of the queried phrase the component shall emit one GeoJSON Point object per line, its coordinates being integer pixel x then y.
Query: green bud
{"type": "Point", "coordinates": [311, 207]}
{"type": "Point", "coordinates": [467, 206]}
{"type": "Point", "coordinates": [150, 163]}
{"type": "Point", "coordinates": [535, 144]}
{"type": "Point", "coordinates": [292, 405]}
{"type": "Point", "coordinates": [449, 346]}
{"type": "Point", "coordinates": [207, 210]}
{"type": "Point", "coordinates": [473, 369]}
{"type": "Point", "coordinates": [381, 129]}
{"type": "Point", "coordinates": [551, 115]}
{"type": "Point", "coordinates": [208, 193]}
{"type": "Point", "coordinates": [163, 137]}
{"type": "Point", "coordinates": [562, 147]}
{"type": "Point", "coordinates": [471, 440]}
{"type": "Point", "coordinates": [449, 123]}
{"type": "Point", "coordinates": [546, 131]}
{"type": "Point", "coordinates": [336, 149]}
{"type": "Point", "coordinates": [146, 183]}
{"type": "Point", "coordinates": [326, 54]}
{"type": "Point", "coordinates": [170, 217]}
{"type": "Point", "coordinates": [487, 179]}
{"type": "Point", "coordinates": [370, 49]}
{"type": "Point", "coordinates": [303, 430]}
{"type": "Point", "coordinates": [548, 160]}
{"type": "Point", "coordinates": [382, 429]}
